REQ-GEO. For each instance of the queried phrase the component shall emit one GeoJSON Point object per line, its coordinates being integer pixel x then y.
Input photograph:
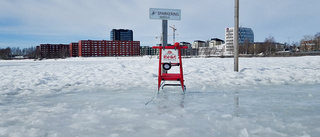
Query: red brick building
{"type": "Point", "coordinates": [97, 48]}
{"type": "Point", "coordinates": [310, 45]}
{"type": "Point", "coordinates": [74, 49]}
{"type": "Point", "coordinates": [54, 50]}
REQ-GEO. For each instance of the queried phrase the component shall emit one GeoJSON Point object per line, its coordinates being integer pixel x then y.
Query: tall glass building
{"type": "Point", "coordinates": [121, 35]}
{"type": "Point", "coordinates": [317, 35]}
{"type": "Point", "coordinates": [245, 34]}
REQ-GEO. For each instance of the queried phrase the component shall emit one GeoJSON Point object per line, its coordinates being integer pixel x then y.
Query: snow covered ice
{"type": "Point", "coordinates": [106, 97]}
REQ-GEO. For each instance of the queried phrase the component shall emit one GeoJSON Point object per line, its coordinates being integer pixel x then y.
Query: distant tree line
{"type": "Point", "coordinates": [267, 48]}
{"type": "Point", "coordinates": [14, 52]}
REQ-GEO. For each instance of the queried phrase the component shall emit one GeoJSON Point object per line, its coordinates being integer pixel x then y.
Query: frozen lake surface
{"type": "Point", "coordinates": [107, 97]}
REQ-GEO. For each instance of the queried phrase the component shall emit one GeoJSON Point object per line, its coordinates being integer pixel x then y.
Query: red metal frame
{"type": "Point", "coordinates": [171, 76]}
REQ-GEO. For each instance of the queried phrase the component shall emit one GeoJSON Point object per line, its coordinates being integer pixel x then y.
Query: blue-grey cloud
{"type": "Point", "coordinates": [73, 20]}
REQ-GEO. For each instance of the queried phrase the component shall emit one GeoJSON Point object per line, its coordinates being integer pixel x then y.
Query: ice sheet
{"type": "Point", "coordinates": [107, 96]}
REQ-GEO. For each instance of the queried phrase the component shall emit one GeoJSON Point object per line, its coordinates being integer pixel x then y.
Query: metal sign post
{"type": "Point", "coordinates": [164, 41]}
{"type": "Point", "coordinates": [164, 32]}
{"type": "Point", "coordinates": [168, 55]}
{"type": "Point", "coordinates": [165, 15]}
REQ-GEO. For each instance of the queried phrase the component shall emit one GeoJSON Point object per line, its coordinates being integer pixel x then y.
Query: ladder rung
{"type": "Point", "coordinates": [172, 85]}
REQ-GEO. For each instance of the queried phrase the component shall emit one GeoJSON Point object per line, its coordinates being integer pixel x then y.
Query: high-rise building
{"type": "Point", "coordinates": [317, 35]}
{"type": "Point", "coordinates": [121, 35]}
{"type": "Point", "coordinates": [245, 35]}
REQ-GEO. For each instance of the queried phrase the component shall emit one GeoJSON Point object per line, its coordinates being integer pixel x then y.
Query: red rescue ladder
{"type": "Point", "coordinates": [168, 59]}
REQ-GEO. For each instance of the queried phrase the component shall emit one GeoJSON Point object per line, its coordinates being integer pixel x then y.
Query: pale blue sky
{"type": "Point", "coordinates": [25, 23]}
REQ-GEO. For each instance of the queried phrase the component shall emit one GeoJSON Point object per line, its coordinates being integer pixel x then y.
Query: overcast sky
{"type": "Point", "coordinates": [25, 23]}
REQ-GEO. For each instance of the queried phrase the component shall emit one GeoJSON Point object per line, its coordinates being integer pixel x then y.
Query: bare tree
{"type": "Point", "coordinates": [244, 47]}
{"type": "Point", "coordinates": [269, 44]}
{"type": "Point", "coordinates": [30, 52]}
{"type": "Point", "coordinates": [5, 53]}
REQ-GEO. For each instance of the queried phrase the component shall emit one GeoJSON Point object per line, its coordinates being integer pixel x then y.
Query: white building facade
{"type": "Point", "coordinates": [218, 47]}
{"type": "Point", "coordinates": [245, 34]}
{"type": "Point", "coordinates": [198, 44]}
